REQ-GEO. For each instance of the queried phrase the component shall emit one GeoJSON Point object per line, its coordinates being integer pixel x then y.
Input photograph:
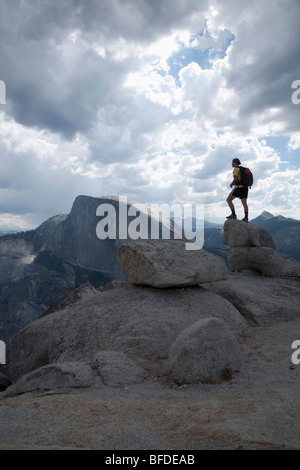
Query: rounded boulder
{"type": "Point", "coordinates": [207, 352]}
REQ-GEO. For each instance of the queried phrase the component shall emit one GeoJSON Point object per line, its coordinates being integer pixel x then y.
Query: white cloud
{"type": "Point", "coordinates": [98, 103]}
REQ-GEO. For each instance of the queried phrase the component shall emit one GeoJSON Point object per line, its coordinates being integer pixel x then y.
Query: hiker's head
{"type": "Point", "coordinates": [236, 162]}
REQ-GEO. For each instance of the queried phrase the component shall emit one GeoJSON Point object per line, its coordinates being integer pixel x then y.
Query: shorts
{"type": "Point", "coordinates": [241, 193]}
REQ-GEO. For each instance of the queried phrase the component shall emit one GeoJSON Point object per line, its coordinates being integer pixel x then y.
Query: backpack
{"type": "Point", "coordinates": [246, 177]}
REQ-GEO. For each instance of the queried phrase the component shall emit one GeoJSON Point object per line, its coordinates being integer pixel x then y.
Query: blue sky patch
{"type": "Point", "coordinates": [204, 57]}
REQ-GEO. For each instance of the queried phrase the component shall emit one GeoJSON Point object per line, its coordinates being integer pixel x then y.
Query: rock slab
{"type": "Point", "coordinates": [52, 377]}
{"type": "Point", "coordinates": [166, 263]}
{"type": "Point", "coordinates": [238, 233]}
{"type": "Point", "coordinates": [251, 247]}
{"type": "Point", "coordinates": [262, 260]}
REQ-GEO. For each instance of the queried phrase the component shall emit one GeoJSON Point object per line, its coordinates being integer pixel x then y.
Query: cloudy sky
{"type": "Point", "coordinates": [149, 99]}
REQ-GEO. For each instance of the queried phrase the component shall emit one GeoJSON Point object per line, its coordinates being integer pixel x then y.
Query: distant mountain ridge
{"type": "Point", "coordinates": [7, 232]}
{"type": "Point", "coordinates": [39, 267]}
{"type": "Point", "coordinates": [285, 232]}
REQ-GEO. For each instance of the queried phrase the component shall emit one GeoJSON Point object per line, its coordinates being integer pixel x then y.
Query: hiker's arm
{"type": "Point", "coordinates": [234, 182]}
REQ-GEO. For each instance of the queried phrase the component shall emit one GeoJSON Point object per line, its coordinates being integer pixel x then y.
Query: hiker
{"type": "Point", "coordinates": [239, 191]}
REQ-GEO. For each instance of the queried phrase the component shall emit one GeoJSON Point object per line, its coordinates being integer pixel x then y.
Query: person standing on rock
{"type": "Point", "coordinates": [239, 191]}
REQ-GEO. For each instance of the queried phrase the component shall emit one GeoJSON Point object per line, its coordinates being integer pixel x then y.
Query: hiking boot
{"type": "Point", "coordinates": [245, 219]}
{"type": "Point", "coordinates": [232, 216]}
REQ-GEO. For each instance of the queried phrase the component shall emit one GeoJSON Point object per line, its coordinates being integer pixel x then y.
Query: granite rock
{"type": "Point", "coordinates": [206, 351]}
{"type": "Point", "coordinates": [165, 263]}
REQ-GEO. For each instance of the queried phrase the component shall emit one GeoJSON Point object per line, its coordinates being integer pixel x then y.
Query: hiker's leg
{"type": "Point", "coordinates": [245, 205]}
{"type": "Point", "coordinates": [230, 203]}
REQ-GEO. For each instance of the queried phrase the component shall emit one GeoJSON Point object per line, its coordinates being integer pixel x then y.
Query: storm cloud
{"type": "Point", "coordinates": [150, 99]}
